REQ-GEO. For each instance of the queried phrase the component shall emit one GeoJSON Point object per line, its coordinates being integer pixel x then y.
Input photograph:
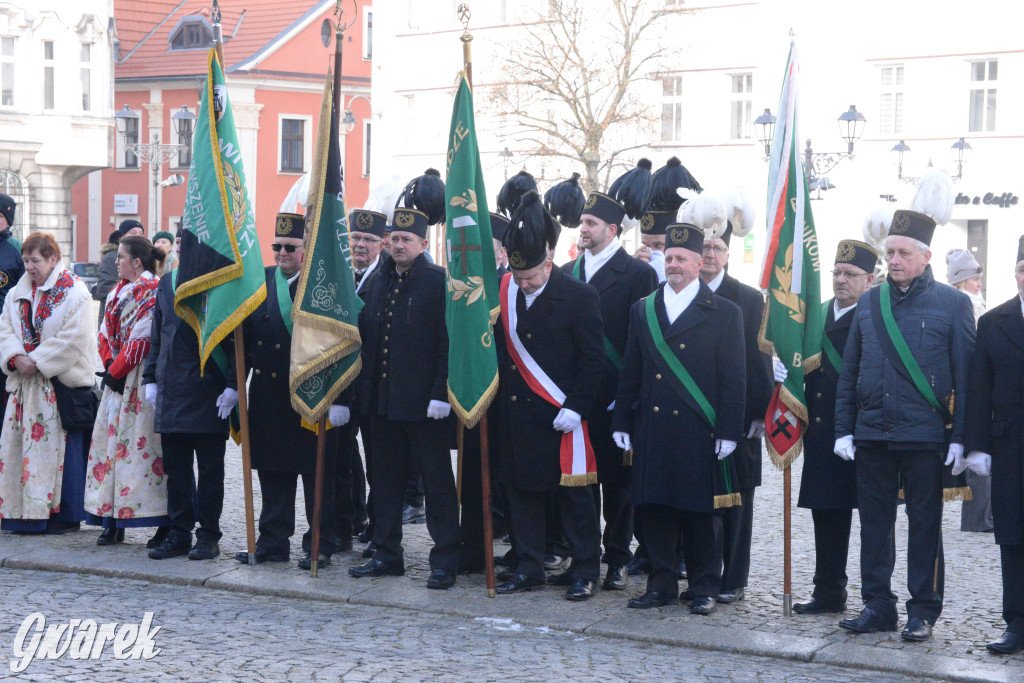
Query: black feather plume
{"type": "Point", "coordinates": [666, 181]}
{"type": "Point", "coordinates": [426, 194]}
{"type": "Point", "coordinates": [565, 201]}
{"type": "Point", "coordinates": [531, 226]}
{"type": "Point", "coordinates": [513, 190]}
{"type": "Point", "coordinates": [633, 189]}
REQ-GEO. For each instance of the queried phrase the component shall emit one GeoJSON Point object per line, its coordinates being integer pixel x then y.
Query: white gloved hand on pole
{"type": "Point", "coordinates": [844, 447]}
{"type": "Point", "coordinates": [980, 463]}
{"type": "Point", "coordinates": [438, 410]}
{"type": "Point", "coordinates": [781, 371]}
{"type": "Point", "coordinates": [338, 416]}
{"type": "Point", "coordinates": [621, 440]}
{"type": "Point", "coordinates": [723, 447]}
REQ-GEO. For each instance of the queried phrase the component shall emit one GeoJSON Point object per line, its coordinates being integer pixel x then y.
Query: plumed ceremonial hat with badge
{"type": "Point", "coordinates": [508, 201]}
{"type": "Point", "coordinates": [565, 201]}
{"type": "Point", "coordinates": [665, 200]}
{"type": "Point", "coordinates": [627, 196]}
{"type": "Point", "coordinates": [420, 205]}
{"type": "Point", "coordinates": [290, 225]}
{"type": "Point", "coordinates": [532, 233]}
{"type": "Point", "coordinates": [857, 253]}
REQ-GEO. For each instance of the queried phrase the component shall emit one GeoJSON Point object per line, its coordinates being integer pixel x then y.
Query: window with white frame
{"type": "Point", "coordinates": [184, 159]}
{"type": "Point", "coordinates": [982, 116]}
{"type": "Point", "coordinates": [368, 34]}
{"type": "Point", "coordinates": [671, 108]}
{"type": "Point", "coordinates": [86, 75]}
{"type": "Point", "coordinates": [7, 44]}
{"type": "Point", "coordinates": [890, 109]}
{"type": "Point", "coordinates": [741, 106]}
{"type": "Point", "coordinates": [48, 75]}
{"type": "Point", "coordinates": [295, 143]}
{"type": "Point", "coordinates": [367, 128]}
{"type": "Point", "coordinates": [125, 158]}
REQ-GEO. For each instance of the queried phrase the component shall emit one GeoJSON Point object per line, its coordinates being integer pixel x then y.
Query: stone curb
{"type": "Point", "coordinates": [386, 593]}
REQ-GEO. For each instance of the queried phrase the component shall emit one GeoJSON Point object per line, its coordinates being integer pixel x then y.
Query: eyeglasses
{"type": "Point", "coordinates": [368, 240]}
{"type": "Point", "coordinates": [838, 274]}
{"type": "Point", "coordinates": [290, 248]}
{"type": "Point", "coordinates": [721, 251]}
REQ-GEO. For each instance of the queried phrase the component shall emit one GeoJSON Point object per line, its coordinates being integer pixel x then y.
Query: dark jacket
{"type": "Point", "coordinates": [185, 402]}
{"type": "Point", "coordinates": [11, 267]}
{"type": "Point", "coordinates": [828, 481]}
{"type": "Point", "coordinates": [404, 341]}
{"type": "Point", "coordinates": [876, 401]}
{"type": "Point", "coordinates": [760, 377]}
{"type": "Point", "coordinates": [562, 332]}
{"type": "Point", "coordinates": [106, 273]}
{"type": "Point", "coordinates": [620, 282]}
{"type": "Point", "coordinates": [673, 446]}
{"type": "Point", "coordinates": [995, 413]}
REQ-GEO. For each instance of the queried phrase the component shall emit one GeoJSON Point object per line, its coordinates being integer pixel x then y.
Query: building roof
{"type": "Point", "coordinates": [252, 29]}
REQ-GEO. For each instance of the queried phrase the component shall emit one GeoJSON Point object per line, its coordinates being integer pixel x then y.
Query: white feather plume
{"type": "Point", "coordinates": [935, 196]}
{"type": "Point", "coordinates": [382, 197]}
{"type": "Point", "coordinates": [876, 226]}
{"type": "Point", "coordinates": [706, 210]}
{"type": "Point", "coordinates": [740, 211]}
{"type": "Point", "coordinates": [628, 224]}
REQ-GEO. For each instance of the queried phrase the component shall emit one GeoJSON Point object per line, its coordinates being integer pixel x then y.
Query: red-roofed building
{"type": "Point", "coordinates": [275, 61]}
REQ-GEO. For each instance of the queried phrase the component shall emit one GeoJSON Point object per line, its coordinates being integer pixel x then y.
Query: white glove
{"type": "Point", "coordinates": [226, 403]}
{"type": "Point", "coordinates": [980, 463]}
{"type": "Point", "coordinates": [658, 263]}
{"type": "Point", "coordinates": [149, 394]}
{"type": "Point", "coordinates": [438, 410]}
{"type": "Point", "coordinates": [566, 420]}
{"type": "Point", "coordinates": [611, 406]}
{"type": "Point", "coordinates": [955, 457]}
{"type": "Point", "coordinates": [781, 371]}
{"type": "Point", "coordinates": [724, 447]}
{"type": "Point", "coordinates": [338, 416]}
{"type": "Point", "coordinates": [844, 447]}
{"type": "Point", "coordinates": [756, 429]}
{"type": "Point", "coordinates": [622, 440]}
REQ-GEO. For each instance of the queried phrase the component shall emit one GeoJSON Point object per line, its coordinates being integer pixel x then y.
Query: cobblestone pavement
{"type": "Point", "coordinates": [214, 636]}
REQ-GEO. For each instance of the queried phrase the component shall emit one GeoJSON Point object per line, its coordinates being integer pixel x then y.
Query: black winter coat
{"type": "Point", "coordinates": [11, 267]}
{"type": "Point", "coordinates": [673, 446]}
{"type": "Point", "coordinates": [995, 413]}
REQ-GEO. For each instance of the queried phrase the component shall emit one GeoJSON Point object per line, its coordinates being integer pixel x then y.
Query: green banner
{"type": "Point", "coordinates": [325, 335]}
{"type": "Point", "coordinates": [220, 273]}
{"type": "Point", "coordinates": [472, 277]}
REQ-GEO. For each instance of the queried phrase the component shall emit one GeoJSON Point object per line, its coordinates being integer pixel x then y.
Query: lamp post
{"type": "Point", "coordinates": [348, 123]}
{"type": "Point", "coordinates": [960, 150]}
{"type": "Point", "coordinates": [817, 164]}
{"type": "Point", "coordinates": [155, 153]}
{"type": "Point", "coordinates": [506, 156]}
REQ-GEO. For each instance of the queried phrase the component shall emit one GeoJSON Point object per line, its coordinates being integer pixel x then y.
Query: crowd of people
{"type": "Point", "coordinates": [631, 387]}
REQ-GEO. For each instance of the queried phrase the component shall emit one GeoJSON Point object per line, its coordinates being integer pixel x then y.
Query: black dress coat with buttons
{"type": "Point", "coordinates": [760, 378]}
{"type": "Point", "coordinates": [279, 441]}
{"type": "Point", "coordinates": [562, 332]}
{"type": "Point", "coordinates": [620, 282]}
{"type": "Point", "coordinates": [995, 413]}
{"type": "Point", "coordinates": [828, 482]}
{"type": "Point", "coordinates": [673, 445]}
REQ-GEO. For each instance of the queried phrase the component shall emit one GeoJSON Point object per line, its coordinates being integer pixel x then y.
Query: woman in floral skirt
{"type": "Point", "coordinates": [125, 482]}
{"type": "Point", "coordinates": [46, 333]}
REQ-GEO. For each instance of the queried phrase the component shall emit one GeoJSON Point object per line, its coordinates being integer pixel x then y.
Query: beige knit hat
{"type": "Point", "coordinates": [961, 265]}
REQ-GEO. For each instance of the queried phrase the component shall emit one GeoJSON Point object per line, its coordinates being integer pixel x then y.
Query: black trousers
{"type": "Point", "coordinates": [831, 547]}
{"type": "Point", "coordinates": [344, 513]}
{"type": "Point", "coordinates": [878, 482]}
{"type": "Point", "coordinates": [1012, 562]}
{"type": "Point", "coordinates": [397, 446]}
{"type": "Point", "coordinates": [702, 549]}
{"type": "Point", "coordinates": [737, 529]}
{"type": "Point", "coordinates": [579, 524]}
{"type": "Point", "coordinates": [612, 499]}
{"type": "Point", "coordinates": [471, 522]}
{"type": "Point", "coordinates": [182, 489]}
{"type": "Point", "coordinates": [277, 516]}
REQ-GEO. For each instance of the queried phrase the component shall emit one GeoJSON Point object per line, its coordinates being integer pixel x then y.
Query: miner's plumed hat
{"type": "Point", "coordinates": [425, 194]}
{"type": "Point", "coordinates": [565, 201]}
{"type": "Point", "coordinates": [369, 222]}
{"type": "Point", "coordinates": [291, 225]}
{"type": "Point", "coordinates": [512, 192]}
{"type": "Point", "coordinates": [685, 236]}
{"type": "Point", "coordinates": [532, 233]}
{"type": "Point", "coordinates": [857, 253]}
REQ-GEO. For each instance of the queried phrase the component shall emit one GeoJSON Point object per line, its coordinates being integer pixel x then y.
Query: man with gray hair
{"type": "Point", "coordinates": [905, 361]}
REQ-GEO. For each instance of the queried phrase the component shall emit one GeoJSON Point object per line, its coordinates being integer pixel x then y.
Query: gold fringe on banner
{"type": "Point", "coordinates": [963, 493]}
{"type": "Point", "coordinates": [578, 479]}
{"type": "Point", "coordinates": [784, 460]}
{"type": "Point", "coordinates": [627, 458]}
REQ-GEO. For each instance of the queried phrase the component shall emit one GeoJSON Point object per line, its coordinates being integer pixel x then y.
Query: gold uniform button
{"type": "Point", "coordinates": [682, 346]}
{"type": "Point", "coordinates": [277, 346]}
{"type": "Point", "coordinates": [817, 395]}
{"type": "Point", "coordinates": [390, 313]}
{"type": "Point", "coordinates": [259, 343]}
{"type": "Point", "coordinates": [388, 326]}
{"type": "Point", "coordinates": [273, 374]}
{"type": "Point", "coordinates": [513, 398]}
{"type": "Point", "coordinates": [385, 337]}
{"type": "Point", "coordinates": [395, 291]}
{"type": "Point", "coordinates": [513, 367]}
{"type": "Point", "coordinates": [256, 371]}
{"type": "Point", "coordinates": [658, 376]}
{"type": "Point", "coordinates": [656, 408]}
{"type": "Point", "coordinates": [675, 412]}
{"type": "Point", "coordinates": [383, 362]}
{"type": "Point", "coordinates": [385, 350]}
{"type": "Point", "coordinates": [529, 336]}
{"type": "Point", "coordinates": [817, 419]}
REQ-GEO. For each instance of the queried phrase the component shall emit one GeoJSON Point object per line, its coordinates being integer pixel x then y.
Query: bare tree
{"type": "Point", "coordinates": [573, 82]}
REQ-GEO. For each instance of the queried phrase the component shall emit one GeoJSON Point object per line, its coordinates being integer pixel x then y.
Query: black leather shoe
{"type": "Point", "coordinates": [506, 575]}
{"type": "Point", "coordinates": [159, 537]}
{"type": "Point", "coordinates": [173, 546]}
{"type": "Point", "coordinates": [703, 606]}
{"type": "Point", "coordinates": [110, 537]}
{"type": "Point", "coordinates": [580, 590]}
{"type": "Point", "coordinates": [370, 550]}
{"type": "Point", "coordinates": [322, 560]}
{"type": "Point", "coordinates": [376, 567]}
{"type": "Point", "coordinates": [554, 563]}
{"type": "Point", "coordinates": [686, 595]}
{"type": "Point", "coordinates": [816, 606]}
{"type": "Point", "coordinates": [869, 621]}
{"type": "Point", "coordinates": [441, 579]}
{"type": "Point", "coordinates": [681, 572]}
{"type": "Point", "coordinates": [560, 579]}
{"type": "Point", "coordinates": [638, 565]}
{"type": "Point", "coordinates": [414, 515]}
{"type": "Point", "coordinates": [615, 579]}
{"type": "Point", "coordinates": [363, 536]}
{"type": "Point", "coordinates": [519, 583]}
{"type": "Point", "coordinates": [734, 595]}
{"type": "Point", "coordinates": [1006, 644]}
{"type": "Point", "coordinates": [205, 549]}
{"type": "Point", "coordinates": [651, 599]}
{"type": "Point", "coordinates": [917, 630]}
{"type": "Point", "coordinates": [262, 556]}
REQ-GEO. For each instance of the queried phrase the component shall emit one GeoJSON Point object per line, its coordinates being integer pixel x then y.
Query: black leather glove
{"type": "Point", "coordinates": [116, 385]}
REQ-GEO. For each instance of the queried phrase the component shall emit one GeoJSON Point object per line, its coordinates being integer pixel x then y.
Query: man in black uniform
{"type": "Point", "coordinates": [828, 485]}
{"type": "Point", "coordinates": [737, 522]}
{"type": "Point", "coordinates": [282, 446]}
{"type": "Point", "coordinates": [550, 361]}
{"type": "Point", "coordinates": [11, 266]}
{"type": "Point", "coordinates": [404, 387]}
{"type": "Point", "coordinates": [684, 373]}
{"type": "Point", "coordinates": [995, 444]}
{"type": "Point", "coordinates": [620, 281]}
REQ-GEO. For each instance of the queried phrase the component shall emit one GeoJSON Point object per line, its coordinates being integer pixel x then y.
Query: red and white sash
{"type": "Point", "coordinates": [576, 456]}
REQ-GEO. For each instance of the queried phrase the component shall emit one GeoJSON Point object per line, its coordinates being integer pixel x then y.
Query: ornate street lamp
{"type": "Point", "coordinates": [765, 128]}
{"type": "Point", "coordinates": [961, 150]}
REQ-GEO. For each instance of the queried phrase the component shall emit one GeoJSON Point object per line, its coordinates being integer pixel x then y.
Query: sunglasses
{"type": "Point", "coordinates": [290, 248]}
